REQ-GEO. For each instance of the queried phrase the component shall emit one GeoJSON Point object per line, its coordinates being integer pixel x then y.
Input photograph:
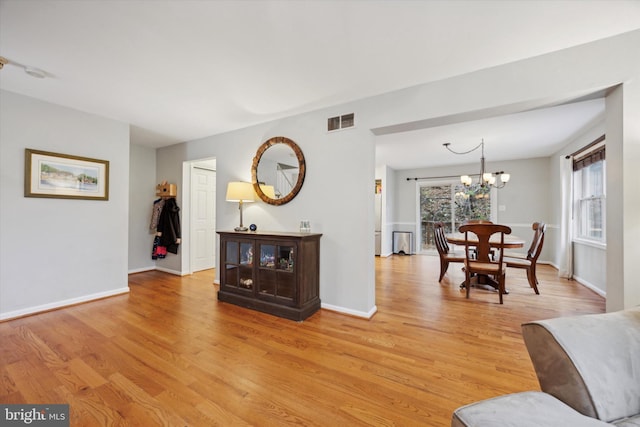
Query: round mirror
{"type": "Point", "coordinates": [278, 170]}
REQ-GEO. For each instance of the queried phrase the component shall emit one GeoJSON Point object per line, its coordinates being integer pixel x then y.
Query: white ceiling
{"type": "Point", "coordinates": [182, 70]}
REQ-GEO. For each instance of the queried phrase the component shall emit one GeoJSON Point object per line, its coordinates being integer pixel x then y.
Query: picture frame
{"type": "Point", "coordinates": [64, 176]}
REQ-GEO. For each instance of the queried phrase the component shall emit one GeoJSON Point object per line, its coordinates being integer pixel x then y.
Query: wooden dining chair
{"type": "Point", "coordinates": [482, 264]}
{"type": "Point", "coordinates": [477, 221]}
{"type": "Point", "coordinates": [529, 261]}
{"type": "Point", "coordinates": [480, 221]}
{"type": "Point", "coordinates": [446, 255]}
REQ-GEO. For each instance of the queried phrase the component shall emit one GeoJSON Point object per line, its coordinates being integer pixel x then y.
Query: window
{"type": "Point", "coordinates": [589, 174]}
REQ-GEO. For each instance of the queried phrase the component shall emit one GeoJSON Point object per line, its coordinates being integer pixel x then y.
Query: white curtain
{"type": "Point", "coordinates": [565, 261]}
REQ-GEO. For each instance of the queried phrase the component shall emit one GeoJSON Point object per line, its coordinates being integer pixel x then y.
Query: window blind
{"type": "Point", "coordinates": [590, 158]}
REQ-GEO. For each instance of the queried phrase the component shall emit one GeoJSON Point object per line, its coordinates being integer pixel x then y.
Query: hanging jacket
{"type": "Point", "coordinates": [155, 215]}
{"type": "Point", "coordinates": [169, 226]}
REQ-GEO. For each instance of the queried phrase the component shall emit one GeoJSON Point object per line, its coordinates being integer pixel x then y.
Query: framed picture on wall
{"type": "Point", "coordinates": [64, 176]}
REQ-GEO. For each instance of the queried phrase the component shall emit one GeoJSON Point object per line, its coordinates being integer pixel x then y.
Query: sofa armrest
{"type": "Point", "coordinates": [526, 409]}
{"type": "Point", "coordinates": [590, 362]}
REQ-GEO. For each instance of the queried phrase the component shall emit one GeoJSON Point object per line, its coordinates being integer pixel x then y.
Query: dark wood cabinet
{"type": "Point", "coordinates": [276, 273]}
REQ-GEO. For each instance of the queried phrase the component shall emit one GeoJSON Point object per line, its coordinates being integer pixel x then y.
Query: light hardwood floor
{"type": "Point", "coordinates": [169, 353]}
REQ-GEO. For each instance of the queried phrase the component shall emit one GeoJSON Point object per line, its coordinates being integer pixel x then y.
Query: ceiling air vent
{"type": "Point", "coordinates": [340, 122]}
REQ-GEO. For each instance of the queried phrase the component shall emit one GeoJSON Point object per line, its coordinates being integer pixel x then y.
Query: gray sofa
{"type": "Point", "coordinates": [589, 372]}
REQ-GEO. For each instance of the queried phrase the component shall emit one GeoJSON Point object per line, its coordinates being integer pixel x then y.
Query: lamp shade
{"type": "Point", "coordinates": [268, 191]}
{"type": "Point", "coordinates": [240, 192]}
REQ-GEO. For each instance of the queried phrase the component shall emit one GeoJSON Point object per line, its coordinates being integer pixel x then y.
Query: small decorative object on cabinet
{"type": "Point", "coordinates": [276, 273]}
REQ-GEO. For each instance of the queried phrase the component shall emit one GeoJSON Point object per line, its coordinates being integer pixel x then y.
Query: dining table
{"type": "Point", "coordinates": [483, 281]}
{"type": "Point", "coordinates": [510, 241]}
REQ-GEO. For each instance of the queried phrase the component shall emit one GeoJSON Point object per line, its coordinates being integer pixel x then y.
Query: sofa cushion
{"type": "Point", "coordinates": [628, 422]}
{"type": "Point", "coordinates": [590, 362]}
{"type": "Point", "coordinates": [527, 409]}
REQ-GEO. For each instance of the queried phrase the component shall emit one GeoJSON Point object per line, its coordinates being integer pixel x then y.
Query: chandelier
{"type": "Point", "coordinates": [485, 179]}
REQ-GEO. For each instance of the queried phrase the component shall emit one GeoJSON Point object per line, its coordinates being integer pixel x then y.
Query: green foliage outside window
{"type": "Point", "coordinates": [451, 204]}
{"type": "Point", "coordinates": [473, 202]}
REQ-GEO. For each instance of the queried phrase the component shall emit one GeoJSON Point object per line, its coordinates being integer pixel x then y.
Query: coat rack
{"type": "Point", "coordinates": [166, 190]}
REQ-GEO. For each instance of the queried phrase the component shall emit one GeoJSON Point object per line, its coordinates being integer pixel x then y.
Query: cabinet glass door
{"type": "Point", "coordinates": [239, 265]}
{"type": "Point", "coordinates": [232, 253]}
{"type": "Point", "coordinates": [276, 271]}
{"type": "Point", "coordinates": [266, 271]}
{"type": "Point", "coordinates": [286, 280]}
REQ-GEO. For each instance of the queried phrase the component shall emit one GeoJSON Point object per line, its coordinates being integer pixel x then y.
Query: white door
{"type": "Point", "coordinates": [203, 219]}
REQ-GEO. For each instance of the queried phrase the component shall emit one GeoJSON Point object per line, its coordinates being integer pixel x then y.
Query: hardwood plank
{"type": "Point", "coordinates": [218, 415]}
{"type": "Point", "coordinates": [7, 386]}
{"type": "Point", "coordinates": [169, 353]}
{"type": "Point", "coordinates": [90, 409]}
{"type": "Point", "coordinates": [144, 409]}
{"type": "Point", "coordinates": [34, 381]}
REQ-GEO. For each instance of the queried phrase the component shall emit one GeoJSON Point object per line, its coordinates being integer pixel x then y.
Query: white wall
{"type": "Point", "coordinates": [55, 252]}
{"type": "Point", "coordinates": [142, 193]}
{"type": "Point", "coordinates": [590, 266]}
{"type": "Point", "coordinates": [389, 208]}
{"type": "Point", "coordinates": [623, 197]}
{"type": "Point", "coordinates": [388, 178]}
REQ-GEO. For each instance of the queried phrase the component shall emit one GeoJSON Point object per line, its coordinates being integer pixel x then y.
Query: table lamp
{"type": "Point", "coordinates": [240, 192]}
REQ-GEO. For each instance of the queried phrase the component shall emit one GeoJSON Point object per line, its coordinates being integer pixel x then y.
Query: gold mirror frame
{"type": "Point", "coordinates": [301, 170]}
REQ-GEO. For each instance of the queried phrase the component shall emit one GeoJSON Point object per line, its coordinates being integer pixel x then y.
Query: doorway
{"type": "Point", "coordinates": [202, 215]}
{"type": "Point", "coordinates": [451, 203]}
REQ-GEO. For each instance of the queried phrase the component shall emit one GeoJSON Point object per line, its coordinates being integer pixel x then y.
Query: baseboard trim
{"type": "Point", "coordinates": [581, 281]}
{"type": "Point", "coordinates": [590, 286]}
{"type": "Point", "coordinates": [350, 312]}
{"type": "Point", "coordinates": [60, 304]}
{"type": "Point", "coordinates": [142, 270]}
{"type": "Point", "coordinates": [174, 272]}
{"type": "Point", "coordinates": [165, 270]}
{"type": "Point", "coordinates": [385, 255]}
